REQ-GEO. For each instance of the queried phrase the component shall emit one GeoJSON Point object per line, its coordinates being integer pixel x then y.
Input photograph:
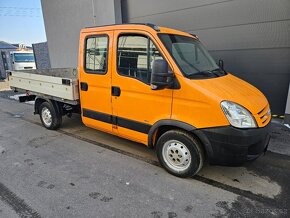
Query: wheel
{"type": "Point", "coordinates": [49, 117]}
{"type": "Point", "coordinates": [180, 153]}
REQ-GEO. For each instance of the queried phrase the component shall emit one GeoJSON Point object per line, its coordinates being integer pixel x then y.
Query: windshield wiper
{"type": "Point", "coordinates": [203, 73]}
{"type": "Point", "coordinates": [209, 72]}
{"type": "Point", "coordinates": [220, 70]}
{"type": "Point", "coordinates": [213, 71]}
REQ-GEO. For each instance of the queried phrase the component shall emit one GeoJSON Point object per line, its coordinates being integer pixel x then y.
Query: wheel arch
{"type": "Point", "coordinates": [40, 99]}
{"type": "Point", "coordinates": [164, 125]}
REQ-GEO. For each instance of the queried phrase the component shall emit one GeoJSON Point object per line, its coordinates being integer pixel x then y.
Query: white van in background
{"type": "Point", "coordinates": [22, 60]}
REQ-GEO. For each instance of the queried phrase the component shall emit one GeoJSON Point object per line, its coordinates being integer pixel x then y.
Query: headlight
{"type": "Point", "coordinates": [237, 115]}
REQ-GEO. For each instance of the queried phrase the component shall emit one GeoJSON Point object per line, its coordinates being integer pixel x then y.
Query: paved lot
{"type": "Point", "coordinates": [80, 172]}
{"type": "Point", "coordinates": [4, 85]}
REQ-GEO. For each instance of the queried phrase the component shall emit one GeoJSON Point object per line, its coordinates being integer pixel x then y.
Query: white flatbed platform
{"type": "Point", "coordinates": [60, 83]}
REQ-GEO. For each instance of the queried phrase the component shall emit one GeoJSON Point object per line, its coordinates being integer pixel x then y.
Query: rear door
{"type": "Point", "coordinates": [95, 80]}
{"type": "Point", "coordinates": [135, 106]}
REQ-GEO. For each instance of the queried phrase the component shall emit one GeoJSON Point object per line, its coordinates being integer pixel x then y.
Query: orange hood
{"type": "Point", "coordinates": [233, 89]}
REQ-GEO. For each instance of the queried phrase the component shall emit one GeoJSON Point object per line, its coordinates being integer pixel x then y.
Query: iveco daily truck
{"type": "Point", "coordinates": [156, 86]}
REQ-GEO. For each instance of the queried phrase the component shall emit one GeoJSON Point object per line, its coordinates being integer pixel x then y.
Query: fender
{"type": "Point", "coordinates": [40, 99]}
{"type": "Point", "coordinates": [188, 127]}
{"type": "Point", "coordinates": [174, 123]}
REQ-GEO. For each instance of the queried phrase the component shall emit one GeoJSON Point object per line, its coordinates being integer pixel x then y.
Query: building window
{"type": "Point", "coordinates": [135, 56]}
{"type": "Point", "coordinates": [96, 54]}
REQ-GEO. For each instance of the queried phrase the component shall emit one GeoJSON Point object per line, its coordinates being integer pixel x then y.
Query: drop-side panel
{"type": "Point", "coordinates": [60, 87]}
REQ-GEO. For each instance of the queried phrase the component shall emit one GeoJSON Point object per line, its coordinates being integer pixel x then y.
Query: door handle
{"type": "Point", "coordinates": [116, 91]}
{"type": "Point", "coordinates": [84, 86]}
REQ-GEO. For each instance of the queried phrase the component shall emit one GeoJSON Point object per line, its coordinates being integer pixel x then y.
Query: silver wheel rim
{"type": "Point", "coordinates": [176, 155]}
{"type": "Point", "coordinates": [46, 116]}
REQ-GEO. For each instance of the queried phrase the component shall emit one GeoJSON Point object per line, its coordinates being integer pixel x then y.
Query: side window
{"type": "Point", "coordinates": [96, 54]}
{"type": "Point", "coordinates": [135, 56]}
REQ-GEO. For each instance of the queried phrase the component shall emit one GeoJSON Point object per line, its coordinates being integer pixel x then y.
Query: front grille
{"type": "Point", "coordinates": [265, 115]}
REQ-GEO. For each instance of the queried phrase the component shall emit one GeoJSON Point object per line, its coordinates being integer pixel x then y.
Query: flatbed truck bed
{"type": "Point", "coordinates": [60, 84]}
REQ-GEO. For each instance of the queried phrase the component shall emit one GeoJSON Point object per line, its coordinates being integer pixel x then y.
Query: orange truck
{"type": "Point", "coordinates": [156, 86]}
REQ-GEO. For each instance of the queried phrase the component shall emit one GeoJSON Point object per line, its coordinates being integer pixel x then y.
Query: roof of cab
{"type": "Point", "coordinates": [150, 27]}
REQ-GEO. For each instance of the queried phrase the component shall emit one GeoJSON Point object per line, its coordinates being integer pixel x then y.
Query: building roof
{"type": "Point", "coordinates": [5, 45]}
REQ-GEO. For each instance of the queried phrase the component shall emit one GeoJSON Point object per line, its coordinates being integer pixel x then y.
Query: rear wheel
{"type": "Point", "coordinates": [180, 153]}
{"type": "Point", "coordinates": [49, 117]}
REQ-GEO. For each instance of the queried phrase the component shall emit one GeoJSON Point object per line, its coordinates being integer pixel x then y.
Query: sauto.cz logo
{"type": "Point", "coordinates": [273, 211]}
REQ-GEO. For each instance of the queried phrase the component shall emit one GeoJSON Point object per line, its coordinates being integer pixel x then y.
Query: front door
{"type": "Point", "coordinates": [135, 106]}
{"type": "Point", "coordinates": [95, 81]}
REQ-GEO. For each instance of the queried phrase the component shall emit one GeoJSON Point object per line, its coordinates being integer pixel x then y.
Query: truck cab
{"type": "Point", "coordinates": [22, 60]}
{"type": "Point", "coordinates": [160, 87]}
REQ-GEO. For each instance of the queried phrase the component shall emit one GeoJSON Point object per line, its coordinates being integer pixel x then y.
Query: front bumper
{"type": "Point", "coordinates": [232, 146]}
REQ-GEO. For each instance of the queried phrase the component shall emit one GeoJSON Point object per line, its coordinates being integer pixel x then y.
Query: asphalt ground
{"type": "Point", "coordinates": [80, 172]}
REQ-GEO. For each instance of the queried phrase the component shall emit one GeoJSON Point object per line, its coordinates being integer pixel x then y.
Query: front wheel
{"type": "Point", "coordinates": [49, 116]}
{"type": "Point", "coordinates": [180, 153]}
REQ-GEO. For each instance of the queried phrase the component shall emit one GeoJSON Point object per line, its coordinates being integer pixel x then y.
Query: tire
{"type": "Point", "coordinates": [49, 117]}
{"type": "Point", "coordinates": [180, 153]}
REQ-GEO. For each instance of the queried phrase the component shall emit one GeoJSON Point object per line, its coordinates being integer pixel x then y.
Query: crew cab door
{"type": "Point", "coordinates": [136, 107]}
{"type": "Point", "coordinates": [95, 80]}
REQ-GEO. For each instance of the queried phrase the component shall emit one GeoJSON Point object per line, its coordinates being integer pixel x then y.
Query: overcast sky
{"type": "Point", "coordinates": [21, 21]}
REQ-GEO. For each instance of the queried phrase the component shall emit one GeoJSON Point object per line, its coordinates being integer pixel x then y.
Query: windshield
{"type": "Point", "coordinates": [23, 57]}
{"type": "Point", "coordinates": [190, 55]}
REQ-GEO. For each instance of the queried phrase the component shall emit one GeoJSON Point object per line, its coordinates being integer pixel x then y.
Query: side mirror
{"type": "Point", "coordinates": [221, 64]}
{"type": "Point", "coordinates": [160, 77]}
